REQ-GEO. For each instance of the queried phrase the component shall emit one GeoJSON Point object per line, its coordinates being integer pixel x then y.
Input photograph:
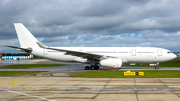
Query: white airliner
{"type": "Point", "coordinates": [113, 57]}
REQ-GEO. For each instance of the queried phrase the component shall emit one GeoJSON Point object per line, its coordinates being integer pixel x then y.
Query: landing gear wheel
{"type": "Point", "coordinates": [156, 67]}
{"type": "Point", "coordinates": [87, 68]}
{"type": "Point", "coordinates": [92, 68]}
{"type": "Point", "coordinates": [96, 67]}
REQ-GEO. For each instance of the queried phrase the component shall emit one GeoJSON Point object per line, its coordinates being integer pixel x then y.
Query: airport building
{"type": "Point", "coordinates": [177, 53]}
{"type": "Point", "coordinates": [16, 56]}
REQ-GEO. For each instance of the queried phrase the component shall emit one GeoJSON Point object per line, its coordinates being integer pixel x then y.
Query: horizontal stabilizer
{"type": "Point", "coordinates": [28, 50]}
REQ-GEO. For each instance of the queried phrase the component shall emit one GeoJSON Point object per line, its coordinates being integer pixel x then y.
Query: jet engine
{"type": "Point", "coordinates": [114, 63]}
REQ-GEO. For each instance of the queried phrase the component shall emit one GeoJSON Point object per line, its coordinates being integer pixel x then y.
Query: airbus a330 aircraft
{"type": "Point", "coordinates": [94, 56]}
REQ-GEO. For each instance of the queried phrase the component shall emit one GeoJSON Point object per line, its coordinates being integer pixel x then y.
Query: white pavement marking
{"type": "Point", "coordinates": [26, 94]}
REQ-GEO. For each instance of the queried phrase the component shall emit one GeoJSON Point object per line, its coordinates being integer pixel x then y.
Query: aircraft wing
{"type": "Point", "coordinates": [79, 54]}
{"type": "Point", "coordinates": [76, 53]}
{"type": "Point", "coordinates": [28, 50]}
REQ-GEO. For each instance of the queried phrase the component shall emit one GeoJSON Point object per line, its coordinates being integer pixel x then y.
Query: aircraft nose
{"type": "Point", "coordinates": [174, 56]}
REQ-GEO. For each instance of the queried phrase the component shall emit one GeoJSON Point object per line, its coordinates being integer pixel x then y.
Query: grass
{"type": "Point", "coordinates": [120, 74]}
{"type": "Point", "coordinates": [21, 66]}
{"type": "Point", "coordinates": [17, 73]}
{"type": "Point", "coordinates": [172, 63]}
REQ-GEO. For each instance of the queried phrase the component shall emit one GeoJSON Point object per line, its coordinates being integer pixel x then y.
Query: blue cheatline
{"type": "Point", "coordinates": [15, 57]}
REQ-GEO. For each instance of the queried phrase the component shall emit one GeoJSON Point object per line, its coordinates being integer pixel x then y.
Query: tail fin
{"type": "Point", "coordinates": [25, 37]}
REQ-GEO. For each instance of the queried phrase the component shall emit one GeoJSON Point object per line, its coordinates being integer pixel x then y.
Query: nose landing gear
{"type": "Point", "coordinates": [157, 66]}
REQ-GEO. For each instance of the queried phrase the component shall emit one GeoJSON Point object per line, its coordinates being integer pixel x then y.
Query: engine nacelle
{"type": "Point", "coordinates": [114, 63]}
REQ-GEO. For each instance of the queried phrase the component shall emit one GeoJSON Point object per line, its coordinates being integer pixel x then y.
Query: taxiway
{"type": "Point", "coordinates": [57, 85]}
{"type": "Point", "coordinates": [89, 89]}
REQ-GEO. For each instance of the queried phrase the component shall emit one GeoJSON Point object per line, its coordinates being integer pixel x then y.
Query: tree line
{"type": "Point", "coordinates": [15, 54]}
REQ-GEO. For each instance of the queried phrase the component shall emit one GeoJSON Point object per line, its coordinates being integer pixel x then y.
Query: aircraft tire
{"type": "Point", "coordinates": [87, 68]}
{"type": "Point", "coordinates": [156, 67]}
{"type": "Point", "coordinates": [96, 67]}
{"type": "Point", "coordinates": [93, 68]}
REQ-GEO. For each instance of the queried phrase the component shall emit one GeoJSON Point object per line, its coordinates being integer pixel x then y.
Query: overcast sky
{"type": "Point", "coordinates": [93, 23]}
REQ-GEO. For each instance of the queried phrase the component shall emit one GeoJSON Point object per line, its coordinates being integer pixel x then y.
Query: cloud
{"type": "Point", "coordinates": [88, 23]}
{"type": "Point", "coordinates": [6, 1]}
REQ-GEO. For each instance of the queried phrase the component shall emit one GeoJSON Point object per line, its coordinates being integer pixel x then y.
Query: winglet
{"type": "Point", "coordinates": [41, 45]}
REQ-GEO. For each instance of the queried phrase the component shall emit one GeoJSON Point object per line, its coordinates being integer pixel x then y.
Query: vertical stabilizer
{"type": "Point", "coordinates": [25, 37]}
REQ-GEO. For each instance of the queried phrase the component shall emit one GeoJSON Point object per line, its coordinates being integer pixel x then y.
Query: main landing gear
{"type": "Point", "coordinates": [92, 67]}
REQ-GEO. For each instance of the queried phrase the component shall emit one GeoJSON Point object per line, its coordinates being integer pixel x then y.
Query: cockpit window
{"type": "Point", "coordinates": [169, 52]}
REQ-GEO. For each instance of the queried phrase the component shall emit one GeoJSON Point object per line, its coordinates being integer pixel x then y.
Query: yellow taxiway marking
{"type": "Point", "coordinates": [12, 83]}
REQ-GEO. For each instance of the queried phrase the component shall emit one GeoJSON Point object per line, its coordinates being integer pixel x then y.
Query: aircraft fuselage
{"type": "Point", "coordinates": [128, 54]}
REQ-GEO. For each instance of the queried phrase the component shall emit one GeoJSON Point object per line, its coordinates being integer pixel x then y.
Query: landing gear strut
{"type": "Point", "coordinates": [157, 66]}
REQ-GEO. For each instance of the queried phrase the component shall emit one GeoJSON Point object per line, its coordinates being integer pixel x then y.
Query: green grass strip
{"type": "Point", "coordinates": [31, 65]}
{"type": "Point", "coordinates": [17, 73]}
{"type": "Point", "coordinates": [120, 74]}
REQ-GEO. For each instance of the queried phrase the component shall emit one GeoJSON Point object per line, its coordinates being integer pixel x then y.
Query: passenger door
{"type": "Point", "coordinates": [159, 52]}
{"type": "Point", "coordinates": [133, 52]}
{"type": "Point", "coordinates": [45, 51]}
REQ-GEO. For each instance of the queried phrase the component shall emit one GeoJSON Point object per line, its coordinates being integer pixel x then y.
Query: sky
{"type": "Point", "coordinates": [93, 23]}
